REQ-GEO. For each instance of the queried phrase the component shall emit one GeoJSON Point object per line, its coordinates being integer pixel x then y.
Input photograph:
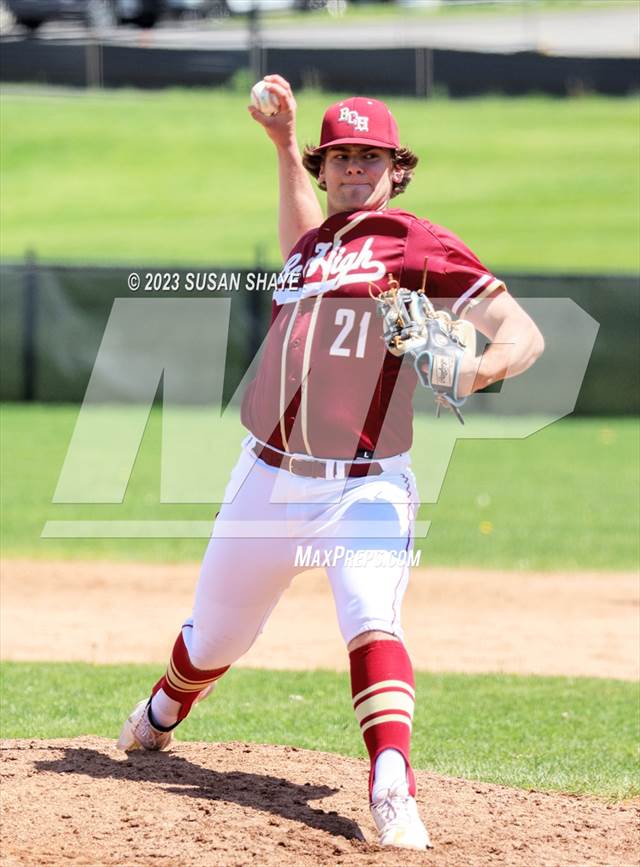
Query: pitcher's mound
{"type": "Point", "coordinates": [82, 802]}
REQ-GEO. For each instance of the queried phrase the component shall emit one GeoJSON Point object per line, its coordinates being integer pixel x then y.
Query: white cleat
{"type": "Point", "coordinates": [395, 814]}
{"type": "Point", "coordinates": [138, 733]}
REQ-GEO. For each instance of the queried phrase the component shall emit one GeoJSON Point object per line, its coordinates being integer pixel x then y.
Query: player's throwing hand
{"type": "Point", "coordinates": [280, 127]}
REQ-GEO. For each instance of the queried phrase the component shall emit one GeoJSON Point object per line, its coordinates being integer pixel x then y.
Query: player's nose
{"type": "Point", "coordinates": [354, 167]}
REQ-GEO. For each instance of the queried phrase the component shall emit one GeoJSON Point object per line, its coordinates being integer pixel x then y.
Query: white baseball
{"type": "Point", "coordinates": [264, 99]}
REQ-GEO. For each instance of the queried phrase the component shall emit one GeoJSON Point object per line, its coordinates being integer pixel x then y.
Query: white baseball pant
{"type": "Point", "coordinates": [269, 529]}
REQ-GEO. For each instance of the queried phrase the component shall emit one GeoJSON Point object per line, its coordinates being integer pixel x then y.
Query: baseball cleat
{"type": "Point", "coordinates": [396, 817]}
{"type": "Point", "coordinates": [138, 733]}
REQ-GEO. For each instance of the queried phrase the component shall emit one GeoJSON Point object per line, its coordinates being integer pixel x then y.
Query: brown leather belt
{"type": "Point", "coordinates": [312, 468]}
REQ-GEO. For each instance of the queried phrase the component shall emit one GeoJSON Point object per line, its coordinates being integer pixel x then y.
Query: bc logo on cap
{"type": "Point", "coordinates": [359, 121]}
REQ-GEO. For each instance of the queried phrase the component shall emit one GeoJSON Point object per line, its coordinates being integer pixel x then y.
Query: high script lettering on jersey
{"type": "Point", "coordinates": [332, 267]}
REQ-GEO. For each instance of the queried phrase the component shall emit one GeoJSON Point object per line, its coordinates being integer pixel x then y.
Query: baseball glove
{"type": "Point", "coordinates": [436, 341]}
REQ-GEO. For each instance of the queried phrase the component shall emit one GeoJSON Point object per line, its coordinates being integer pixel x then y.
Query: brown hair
{"type": "Point", "coordinates": [403, 158]}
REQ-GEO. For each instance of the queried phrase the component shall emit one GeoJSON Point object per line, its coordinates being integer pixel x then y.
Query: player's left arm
{"type": "Point", "coordinates": [516, 341]}
{"type": "Point", "coordinates": [482, 299]}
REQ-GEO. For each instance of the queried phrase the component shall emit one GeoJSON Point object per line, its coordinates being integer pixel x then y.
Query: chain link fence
{"type": "Point", "coordinates": [52, 320]}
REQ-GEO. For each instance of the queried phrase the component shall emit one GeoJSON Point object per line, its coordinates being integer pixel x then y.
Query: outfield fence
{"type": "Point", "coordinates": [53, 317]}
{"type": "Point", "coordinates": [409, 71]}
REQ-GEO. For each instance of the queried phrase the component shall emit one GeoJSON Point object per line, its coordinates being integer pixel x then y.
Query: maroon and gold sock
{"type": "Point", "coordinates": [182, 681]}
{"type": "Point", "coordinates": [383, 691]}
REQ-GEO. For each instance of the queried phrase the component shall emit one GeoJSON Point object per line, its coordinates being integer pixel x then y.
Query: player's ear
{"type": "Point", "coordinates": [321, 178]}
{"type": "Point", "coordinates": [397, 175]}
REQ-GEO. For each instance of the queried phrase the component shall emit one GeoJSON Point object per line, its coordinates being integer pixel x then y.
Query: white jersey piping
{"type": "Point", "coordinates": [283, 375]}
{"type": "Point", "coordinates": [306, 361]}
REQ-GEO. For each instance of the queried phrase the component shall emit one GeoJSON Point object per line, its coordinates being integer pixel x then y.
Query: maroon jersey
{"type": "Point", "coordinates": [326, 383]}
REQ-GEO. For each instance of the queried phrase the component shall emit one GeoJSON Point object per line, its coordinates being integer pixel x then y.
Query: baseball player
{"type": "Point", "coordinates": [325, 466]}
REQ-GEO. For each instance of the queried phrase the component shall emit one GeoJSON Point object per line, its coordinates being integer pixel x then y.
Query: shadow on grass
{"type": "Point", "coordinates": [261, 792]}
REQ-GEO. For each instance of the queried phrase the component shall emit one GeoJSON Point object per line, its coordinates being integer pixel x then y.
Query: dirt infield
{"type": "Point", "coordinates": [238, 804]}
{"type": "Point", "coordinates": [455, 620]}
{"type": "Point", "coordinates": [82, 802]}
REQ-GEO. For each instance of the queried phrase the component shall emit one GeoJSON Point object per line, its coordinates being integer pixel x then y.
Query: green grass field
{"type": "Point", "coordinates": [564, 498]}
{"type": "Point", "coordinates": [177, 176]}
{"type": "Point", "coordinates": [569, 734]}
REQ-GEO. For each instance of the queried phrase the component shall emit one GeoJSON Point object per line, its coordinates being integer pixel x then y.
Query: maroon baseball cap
{"type": "Point", "coordinates": [359, 120]}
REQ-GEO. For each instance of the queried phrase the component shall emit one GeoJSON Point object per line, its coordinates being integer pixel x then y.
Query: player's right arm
{"type": "Point", "coordinates": [298, 206]}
